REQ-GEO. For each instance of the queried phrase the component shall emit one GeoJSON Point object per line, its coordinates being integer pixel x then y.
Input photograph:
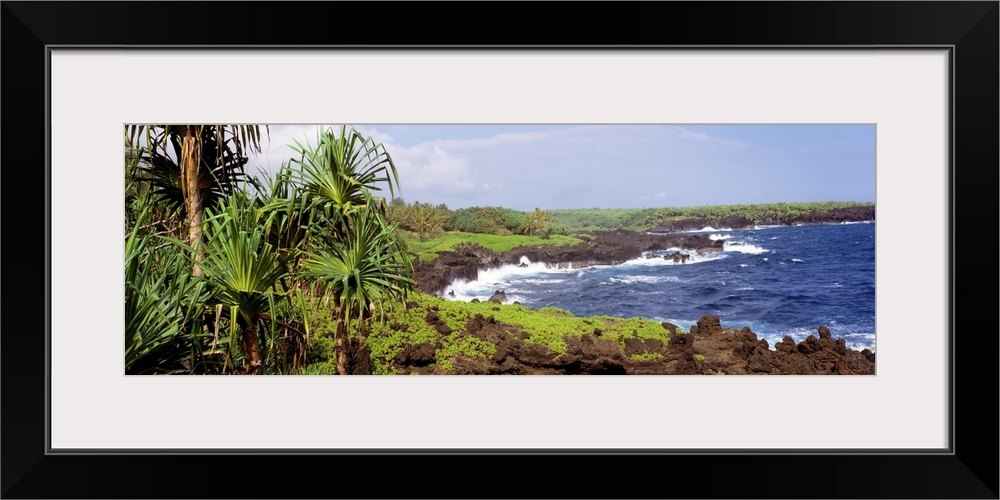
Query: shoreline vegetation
{"type": "Point", "coordinates": [310, 272]}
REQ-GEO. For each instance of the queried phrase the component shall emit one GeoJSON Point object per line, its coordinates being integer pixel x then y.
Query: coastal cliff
{"type": "Point", "coordinates": [708, 348]}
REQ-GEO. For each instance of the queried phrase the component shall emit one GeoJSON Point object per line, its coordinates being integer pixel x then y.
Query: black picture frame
{"type": "Point", "coordinates": [970, 29]}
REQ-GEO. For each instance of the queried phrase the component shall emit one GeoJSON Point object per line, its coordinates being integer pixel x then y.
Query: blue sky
{"type": "Point", "coordinates": [616, 166]}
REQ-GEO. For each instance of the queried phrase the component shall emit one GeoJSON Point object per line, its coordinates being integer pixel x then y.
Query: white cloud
{"type": "Point", "coordinates": [424, 169]}
{"type": "Point", "coordinates": [428, 167]}
{"type": "Point", "coordinates": [376, 135]}
{"type": "Point", "coordinates": [277, 146]}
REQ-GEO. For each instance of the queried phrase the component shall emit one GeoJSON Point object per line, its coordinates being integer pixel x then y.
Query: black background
{"type": "Point", "coordinates": [971, 472]}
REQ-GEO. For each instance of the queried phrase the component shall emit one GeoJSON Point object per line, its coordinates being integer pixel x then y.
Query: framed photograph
{"type": "Point", "coordinates": [920, 76]}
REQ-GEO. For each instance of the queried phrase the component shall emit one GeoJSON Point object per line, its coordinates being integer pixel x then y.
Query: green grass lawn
{"type": "Point", "coordinates": [429, 248]}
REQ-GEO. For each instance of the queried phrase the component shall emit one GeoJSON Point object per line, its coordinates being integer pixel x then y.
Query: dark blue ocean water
{"type": "Point", "coordinates": [777, 280]}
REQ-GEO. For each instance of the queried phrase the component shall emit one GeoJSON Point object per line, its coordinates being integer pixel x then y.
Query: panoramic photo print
{"type": "Point", "coordinates": [560, 249]}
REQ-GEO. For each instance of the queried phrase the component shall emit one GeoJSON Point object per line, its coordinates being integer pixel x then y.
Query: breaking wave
{"type": "Point", "coordinates": [738, 246]}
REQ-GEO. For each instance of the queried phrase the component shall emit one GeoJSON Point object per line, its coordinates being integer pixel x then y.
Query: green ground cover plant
{"type": "Point", "coordinates": [548, 326]}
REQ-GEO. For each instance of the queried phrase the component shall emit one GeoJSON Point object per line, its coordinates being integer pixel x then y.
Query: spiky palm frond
{"type": "Point", "coordinates": [364, 269]}
{"type": "Point", "coordinates": [239, 262]}
{"type": "Point", "coordinates": [288, 214]}
{"type": "Point", "coordinates": [338, 169]}
{"type": "Point", "coordinates": [163, 306]}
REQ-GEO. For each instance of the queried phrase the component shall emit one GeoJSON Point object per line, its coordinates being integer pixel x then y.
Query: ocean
{"type": "Point", "coordinates": [777, 280]}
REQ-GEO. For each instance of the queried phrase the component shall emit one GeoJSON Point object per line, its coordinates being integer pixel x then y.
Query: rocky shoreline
{"type": "Point", "coordinates": [598, 248]}
{"type": "Point", "coordinates": [708, 349]}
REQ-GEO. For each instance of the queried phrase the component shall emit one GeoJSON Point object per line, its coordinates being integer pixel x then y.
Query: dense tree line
{"type": "Point", "coordinates": [427, 219]}
{"type": "Point", "coordinates": [643, 219]}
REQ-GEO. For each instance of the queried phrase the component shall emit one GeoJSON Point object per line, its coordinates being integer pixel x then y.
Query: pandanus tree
{"type": "Point", "coordinates": [357, 258]}
{"type": "Point", "coordinates": [192, 166]}
{"type": "Point", "coordinates": [243, 270]}
{"type": "Point", "coordinates": [342, 170]}
{"type": "Point", "coordinates": [364, 271]}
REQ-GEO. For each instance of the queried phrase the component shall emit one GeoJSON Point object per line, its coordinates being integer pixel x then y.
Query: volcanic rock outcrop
{"type": "Point", "coordinates": [696, 224]}
{"type": "Point", "coordinates": [462, 263]}
{"type": "Point", "coordinates": [600, 248]}
{"type": "Point", "coordinates": [708, 349]}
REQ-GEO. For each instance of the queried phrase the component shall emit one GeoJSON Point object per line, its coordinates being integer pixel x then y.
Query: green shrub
{"type": "Point", "coordinates": [321, 348]}
{"type": "Point", "coordinates": [549, 326]}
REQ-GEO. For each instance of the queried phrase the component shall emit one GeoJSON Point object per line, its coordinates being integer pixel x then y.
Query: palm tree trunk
{"type": "Point", "coordinates": [190, 163]}
{"type": "Point", "coordinates": [251, 350]}
{"type": "Point", "coordinates": [340, 336]}
{"type": "Point", "coordinates": [343, 346]}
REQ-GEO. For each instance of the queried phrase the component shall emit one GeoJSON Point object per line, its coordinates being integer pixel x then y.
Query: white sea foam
{"type": "Point", "coordinates": [800, 261]}
{"type": "Point", "coordinates": [519, 271]}
{"type": "Point", "coordinates": [484, 294]}
{"type": "Point", "coordinates": [503, 277]}
{"type": "Point", "coordinates": [716, 237]}
{"type": "Point", "coordinates": [744, 265]}
{"type": "Point", "coordinates": [709, 229]}
{"type": "Point", "coordinates": [682, 323]}
{"type": "Point", "coordinates": [541, 281]}
{"type": "Point", "coordinates": [633, 279]}
{"type": "Point", "coordinates": [660, 261]}
{"type": "Point", "coordinates": [738, 246]}
{"type": "Point", "coordinates": [859, 341]}
{"type": "Point", "coordinates": [657, 254]}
